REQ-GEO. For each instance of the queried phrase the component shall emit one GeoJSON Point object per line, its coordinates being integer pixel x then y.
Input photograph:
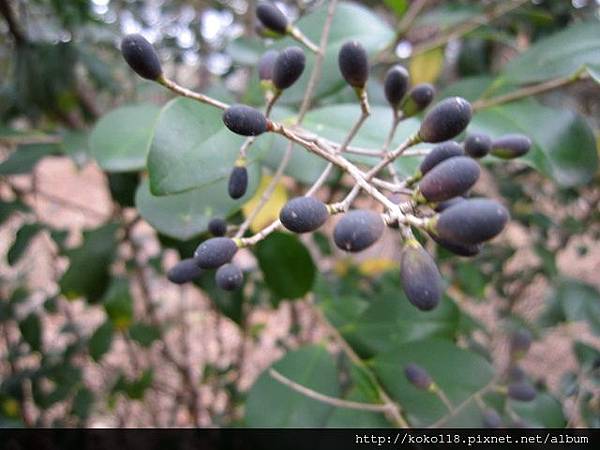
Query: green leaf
{"type": "Point", "coordinates": [564, 147]}
{"type": "Point", "coordinates": [272, 404]}
{"type": "Point", "coordinates": [193, 148]}
{"type": "Point", "coordinates": [459, 373]}
{"type": "Point", "coordinates": [587, 356]}
{"type": "Point", "coordinates": [101, 340]}
{"type": "Point", "coordinates": [543, 412]}
{"type": "Point", "coordinates": [185, 215]}
{"type": "Point", "coordinates": [25, 157]}
{"type": "Point", "coordinates": [286, 264]}
{"type": "Point", "coordinates": [448, 15]}
{"type": "Point", "coordinates": [229, 303]}
{"type": "Point", "coordinates": [398, 6]}
{"type": "Point", "coordinates": [120, 140]}
{"type": "Point", "coordinates": [8, 208]}
{"type": "Point", "coordinates": [559, 55]}
{"type": "Point", "coordinates": [82, 403]}
{"type": "Point", "coordinates": [144, 334]}
{"type": "Point", "coordinates": [31, 330]}
{"type": "Point", "coordinates": [123, 187]}
{"type": "Point", "coordinates": [88, 273]}
{"type": "Point", "coordinates": [118, 303]}
{"type": "Point", "coordinates": [136, 388]}
{"type": "Point", "coordinates": [24, 236]}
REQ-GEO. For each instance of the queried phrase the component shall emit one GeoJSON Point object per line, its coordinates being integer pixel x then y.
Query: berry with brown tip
{"type": "Point", "coordinates": [418, 376]}
{"type": "Point", "coordinates": [446, 120]}
{"type": "Point", "coordinates": [354, 64]}
{"type": "Point", "coordinates": [471, 221]}
{"type": "Point", "coordinates": [244, 120]}
{"type": "Point", "coordinates": [477, 145]}
{"type": "Point", "coordinates": [238, 182]}
{"type": "Point", "coordinates": [141, 56]}
{"type": "Point", "coordinates": [303, 214]}
{"type": "Point", "coordinates": [358, 230]}
{"type": "Point", "coordinates": [511, 146]}
{"type": "Point", "coordinates": [450, 178]}
{"type": "Point", "coordinates": [184, 271]}
{"type": "Point", "coordinates": [229, 277]}
{"type": "Point", "coordinates": [395, 85]}
{"type": "Point", "coordinates": [215, 252]}
{"type": "Point", "coordinates": [420, 277]}
{"type": "Point", "coordinates": [288, 67]}
{"type": "Point", "coordinates": [272, 18]}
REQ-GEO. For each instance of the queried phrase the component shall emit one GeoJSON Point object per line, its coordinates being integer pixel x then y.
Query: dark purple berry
{"type": "Point", "coordinates": [303, 214]}
{"type": "Point", "coordinates": [438, 154]}
{"type": "Point", "coordinates": [511, 146]}
{"type": "Point", "coordinates": [418, 376]}
{"type": "Point", "coordinates": [238, 182]}
{"type": "Point", "coordinates": [395, 85]}
{"type": "Point", "coordinates": [441, 206]}
{"type": "Point", "coordinates": [466, 250]}
{"type": "Point", "coordinates": [184, 271]}
{"type": "Point", "coordinates": [288, 67]}
{"type": "Point", "coordinates": [272, 18]}
{"type": "Point", "coordinates": [516, 373]}
{"type": "Point", "coordinates": [418, 98]}
{"type": "Point", "coordinates": [244, 120]}
{"type": "Point", "coordinates": [522, 391]}
{"type": "Point", "coordinates": [217, 227]}
{"type": "Point", "coordinates": [420, 277]}
{"type": "Point", "coordinates": [358, 230]}
{"type": "Point", "coordinates": [520, 341]}
{"type": "Point", "coordinates": [354, 64]}
{"type": "Point", "coordinates": [446, 120]}
{"type": "Point", "coordinates": [141, 56]}
{"type": "Point", "coordinates": [229, 277]}
{"type": "Point", "coordinates": [215, 252]}
{"type": "Point", "coordinates": [477, 145]}
{"type": "Point", "coordinates": [266, 64]}
{"type": "Point", "coordinates": [450, 178]}
{"type": "Point", "coordinates": [491, 419]}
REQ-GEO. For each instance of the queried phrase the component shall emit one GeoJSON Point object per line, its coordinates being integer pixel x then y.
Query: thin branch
{"type": "Point", "coordinates": [303, 39]}
{"type": "Point", "coordinates": [404, 26]}
{"type": "Point", "coordinates": [337, 402]}
{"type": "Point", "coordinates": [11, 21]}
{"type": "Point", "coordinates": [170, 84]}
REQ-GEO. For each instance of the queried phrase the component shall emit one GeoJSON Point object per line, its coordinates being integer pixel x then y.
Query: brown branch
{"type": "Point", "coordinates": [13, 26]}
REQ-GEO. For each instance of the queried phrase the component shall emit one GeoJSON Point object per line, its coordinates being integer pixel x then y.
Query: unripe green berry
{"type": "Point", "coordinates": [522, 391]}
{"type": "Point", "coordinates": [272, 18]}
{"type": "Point", "coordinates": [217, 227]}
{"type": "Point", "coordinates": [354, 64]}
{"type": "Point", "coordinates": [491, 419]}
{"type": "Point", "coordinates": [446, 120]}
{"type": "Point", "coordinates": [141, 56]}
{"type": "Point", "coordinates": [184, 271]}
{"type": "Point", "coordinates": [303, 214]}
{"type": "Point", "coordinates": [288, 67]}
{"type": "Point", "coordinates": [244, 120]}
{"type": "Point", "coordinates": [440, 153]}
{"type": "Point", "coordinates": [215, 252]}
{"type": "Point", "coordinates": [358, 230]}
{"type": "Point", "coordinates": [266, 64]}
{"type": "Point", "coordinates": [420, 277]}
{"type": "Point", "coordinates": [477, 145]}
{"type": "Point", "coordinates": [450, 178]}
{"type": "Point", "coordinates": [418, 376]}
{"type": "Point", "coordinates": [395, 85]}
{"type": "Point", "coordinates": [229, 277]}
{"type": "Point", "coordinates": [238, 182]}
{"type": "Point", "coordinates": [418, 98]}
{"type": "Point", "coordinates": [471, 221]}
{"type": "Point", "coordinates": [511, 146]}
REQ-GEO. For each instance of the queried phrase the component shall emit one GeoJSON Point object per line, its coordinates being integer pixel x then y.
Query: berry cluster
{"type": "Point", "coordinates": [437, 195]}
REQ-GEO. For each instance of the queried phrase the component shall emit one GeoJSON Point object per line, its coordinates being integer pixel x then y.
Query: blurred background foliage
{"type": "Point", "coordinates": [66, 95]}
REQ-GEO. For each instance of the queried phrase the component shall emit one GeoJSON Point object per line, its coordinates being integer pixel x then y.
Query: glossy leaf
{"type": "Point", "coordinates": [185, 215]}
{"type": "Point", "coordinates": [272, 404]}
{"type": "Point", "coordinates": [120, 140]}
{"type": "Point", "coordinates": [286, 264]}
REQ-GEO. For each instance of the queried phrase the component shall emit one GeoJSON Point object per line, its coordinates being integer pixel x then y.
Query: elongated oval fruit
{"type": "Point", "coordinates": [418, 98]}
{"type": "Point", "coordinates": [516, 373]}
{"type": "Point", "coordinates": [471, 221]}
{"type": "Point", "coordinates": [420, 277]}
{"type": "Point", "coordinates": [477, 145]}
{"type": "Point", "coordinates": [244, 120]}
{"type": "Point", "coordinates": [229, 277]}
{"type": "Point", "coordinates": [440, 153]}
{"type": "Point", "coordinates": [238, 182]}
{"type": "Point", "coordinates": [272, 17]}
{"type": "Point", "coordinates": [184, 271]}
{"type": "Point", "coordinates": [141, 56]}
{"type": "Point", "coordinates": [358, 230]}
{"type": "Point", "coordinates": [217, 227]}
{"type": "Point", "coordinates": [288, 67]}
{"type": "Point", "coordinates": [520, 341]}
{"type": "Point", "coordinates": [354, 64]}
{"type": "Point", "coordinates": [522, 391]}
{"type": "Point", "coordinates": [446, 120]}
{"type": "Point", "coordinates": [441, 206]}
{"type": "Point", "coordinates": [467, 250]}
{"type": "Point", "coordinates": [215, 252]}
{"type": "Point", "coordinates": [266, 64]}
{"type": "Point", "coordinates": [491, 419]}
{"type": "Point", "coordinates": [303, 214]}
{"type": "Point", "coordinates": [450, 178]}
{"type": "Point", "coordinates": [511, 146]}
{"type": "Point", "coordinates": [395, 85]}
{"type": "Point", "coordinates": [418, 376]}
